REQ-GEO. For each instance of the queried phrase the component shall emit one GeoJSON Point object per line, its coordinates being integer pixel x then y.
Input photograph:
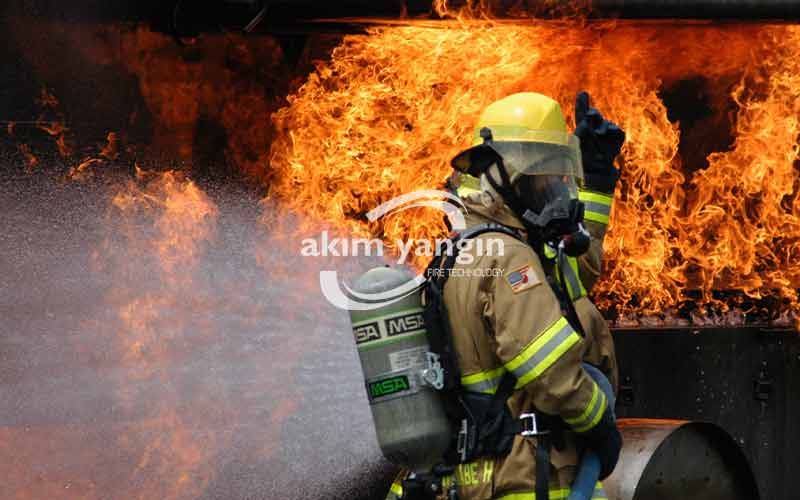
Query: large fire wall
{"type": "Point", "coordinates": [318, 116]}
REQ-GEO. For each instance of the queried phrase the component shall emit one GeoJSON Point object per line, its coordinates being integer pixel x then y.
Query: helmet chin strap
{"type": "Point", "coordinates": [536, 225]}
{"type": "Point", "coordinates": [540, 226]}
{"type": "Point", "coordinates": [525, 215]}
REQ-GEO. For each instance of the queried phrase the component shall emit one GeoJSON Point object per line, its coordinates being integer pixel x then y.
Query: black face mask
{"type": "Point", "coordinates": [549, 206]}
{"type": "Point", "coordinates": [558, 217]}
{"type": "Point", "coordinates": [542, 202]}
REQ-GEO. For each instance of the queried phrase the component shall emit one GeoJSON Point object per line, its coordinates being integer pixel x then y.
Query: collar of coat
{"type": "Point", "coordinates": [479, 213]}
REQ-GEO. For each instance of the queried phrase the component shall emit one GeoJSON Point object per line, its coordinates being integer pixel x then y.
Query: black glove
{"type": "Point", "coordinates": [601, 142]}
{"type": "Point", "coordinates": [605, 440]}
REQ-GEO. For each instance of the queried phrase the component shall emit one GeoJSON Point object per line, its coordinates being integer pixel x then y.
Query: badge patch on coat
{"type": "Point", "coordinates": [522, 279]}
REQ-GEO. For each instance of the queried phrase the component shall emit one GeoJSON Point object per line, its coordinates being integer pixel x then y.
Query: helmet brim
{"type": "Point", "coordinates": [475, 160]}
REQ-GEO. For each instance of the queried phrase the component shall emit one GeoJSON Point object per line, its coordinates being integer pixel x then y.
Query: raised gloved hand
{"type": "Point", "coordinates": [601, 142]}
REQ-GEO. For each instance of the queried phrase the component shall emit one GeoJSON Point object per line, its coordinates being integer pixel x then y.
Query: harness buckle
{"type": "Point", "coordinates": [462, 441]}
{"type": "Point", "coordinates": [433, 374]}
{"type": "Point", "coordinates": [530, 426]}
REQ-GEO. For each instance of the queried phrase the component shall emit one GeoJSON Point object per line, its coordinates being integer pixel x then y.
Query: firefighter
{"type": "Point", "coordinates": [527, 311]}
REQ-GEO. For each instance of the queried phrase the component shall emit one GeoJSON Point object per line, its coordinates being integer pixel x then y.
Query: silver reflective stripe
{"type": "Point", "coordinates": [599, 494]}
{"type": "Point", "coordinates": [572, 279]}
{"type": "Point", "coordinates": [488, 385]}
{"type": "Point", "coordinates": [485, 381]}
{"type": "Point", "coordinates": [598, 208]}
{"type": "Point", "coordinates": [592, 414]}
{"type": "Point", "coordinates": [545, 351]}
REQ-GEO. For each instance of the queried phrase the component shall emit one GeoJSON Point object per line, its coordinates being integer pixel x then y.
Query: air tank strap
{"type": "Point", "coordinates": [435, 311]}
{"type": "Point", "coordinates": [571, 313]}
{"type": "Point", "coordinates": [552, 265]}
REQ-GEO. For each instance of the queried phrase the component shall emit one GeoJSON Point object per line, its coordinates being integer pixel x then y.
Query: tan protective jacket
{"type": "Point", "coordinates": [505, 317]}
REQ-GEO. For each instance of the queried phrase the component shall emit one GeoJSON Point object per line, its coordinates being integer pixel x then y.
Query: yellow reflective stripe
{"type": "Point", "coordinates": [397, 489]}
{"type": "Point", "coordinates": [603, 199]}
{"type": "Point", "coordinates": [592, 414]}
{"type": "Point", "coordinates": [468, 184]}
{"type": "Point", "coordinates": [557, 494]}
{"type": "Point", "coordinates": [573, 262]}
{"type": "Point", "coordinates": [596, 217]}
{"type": "Point", "coordinates": [597, 416]}
{"type": "Point", "coordinates": [485, 381]}
{"type": "Point", "coordinates": [515, 133]}
{"type": "Point", "coordinates": [569, 266]}
{"type": "Point", "coordinates": [464, 191]}
{"type": "Point", "coordinates": [545, 350]}
{"type": "Point", "coordinates": [597, 205]}
{"type": "Point", "coordinates": [583, 416]}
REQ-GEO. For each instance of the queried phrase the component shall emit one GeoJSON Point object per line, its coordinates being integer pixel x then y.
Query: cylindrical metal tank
{"type": "Point", "coordinates": [679, 460]}
{"type": "Point", "coordinates": [410, 422]}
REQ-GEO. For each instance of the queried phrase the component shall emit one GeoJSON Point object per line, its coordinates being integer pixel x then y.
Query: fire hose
{"type": "Point", "coordinates": [589, 468]}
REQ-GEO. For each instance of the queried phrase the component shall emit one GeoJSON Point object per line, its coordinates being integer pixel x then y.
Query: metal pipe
{"type": "Point", "coordinates": [296, 10]}
{"type": "Point", "coordinates": [668, 459]}
{"type": "Point", "coordinates": [292, 15]}
{"type": "Point", "coordinates": [699, 9]}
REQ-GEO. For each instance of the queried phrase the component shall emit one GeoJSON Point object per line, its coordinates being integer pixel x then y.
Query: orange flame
{"type": "Point", "coordinates": [390, 109]}
{"type": "Point", "coordinates": [166, 221]}
{"type": "Point", "coordinates": [85, 168]}
{"type": "Point", "coordinates": [186, 217]}
{"type": "Point", "coordinates": [220, 79]}
{"type": "Point", "coordinates": [30, 159]}
{"type": "Point", "coordinates": [54, 127]}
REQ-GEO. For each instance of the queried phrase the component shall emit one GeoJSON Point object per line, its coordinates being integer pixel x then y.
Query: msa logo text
{"type": "Point", "coordinates": [405, 324]}
{"type": "Point", "coordinates": [386, 387]}
{"type": "Point", "coordinates": [365, 333]}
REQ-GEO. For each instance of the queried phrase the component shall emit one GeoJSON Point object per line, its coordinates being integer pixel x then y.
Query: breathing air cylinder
{"type": "Point", "coordinates": [401, 375]}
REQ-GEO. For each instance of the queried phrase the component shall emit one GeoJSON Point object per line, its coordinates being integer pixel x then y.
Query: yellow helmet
{"type": "Point", "coordinates": [529, 132]}
{"type": "Point", "coordinates": [524, 117]}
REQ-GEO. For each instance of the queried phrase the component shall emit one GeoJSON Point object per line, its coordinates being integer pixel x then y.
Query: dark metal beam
{"type": "Point", "coordinates": [700, 9]}
{"type": "Point", "coordinates": [293, 10]}
{"type": "Point", "coordinates": [192, 16]}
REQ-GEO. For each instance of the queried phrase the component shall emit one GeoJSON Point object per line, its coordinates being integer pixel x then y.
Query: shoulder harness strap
{"type": "Point", "coordinates": [437, 273]}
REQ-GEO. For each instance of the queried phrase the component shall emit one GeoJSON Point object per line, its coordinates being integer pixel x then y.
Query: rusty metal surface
{"type": "Point", "coordinates": [640, 438]}
{"type": "Point", "coordinates": [744, 379]}
{"type": "Point", "coordinates": [671, 459]}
